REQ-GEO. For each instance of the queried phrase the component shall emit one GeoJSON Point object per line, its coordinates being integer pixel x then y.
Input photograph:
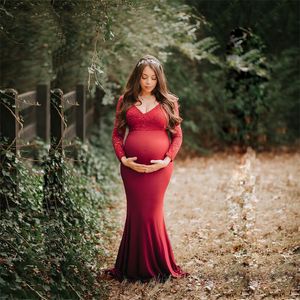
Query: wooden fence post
{"type": "Point", "coordinates": [9, 129]}
{"type": "Point", "coordinates": [53, 177]}
{"type": "Point", "coordinates": [57, 123]}
{"type": "Point", "coordinates": [80, 112]}
{"type": "Point", "coordinates": [43, 112]}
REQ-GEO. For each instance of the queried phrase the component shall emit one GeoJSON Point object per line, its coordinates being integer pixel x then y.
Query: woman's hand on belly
{"type": "Point", "coordinates": [157, 164]}
{"type": "Point", "coordinates": [129, 162]}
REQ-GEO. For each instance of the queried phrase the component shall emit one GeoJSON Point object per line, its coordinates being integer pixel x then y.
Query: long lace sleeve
{"type": "Point", "coordinates": [176, 139]}
{"type": "Point", "coordinates": [118, 137]}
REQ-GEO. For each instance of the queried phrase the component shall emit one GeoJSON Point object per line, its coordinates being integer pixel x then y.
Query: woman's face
{"type": "Point", "coordinates": [148, 80]}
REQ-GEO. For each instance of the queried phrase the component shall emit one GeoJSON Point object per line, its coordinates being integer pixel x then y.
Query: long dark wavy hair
{"type": "Point", "coordinates": [161, 93]}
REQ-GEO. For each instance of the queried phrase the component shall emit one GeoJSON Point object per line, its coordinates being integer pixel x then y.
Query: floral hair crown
{"type": "Point", "coordinates": [151, 60]}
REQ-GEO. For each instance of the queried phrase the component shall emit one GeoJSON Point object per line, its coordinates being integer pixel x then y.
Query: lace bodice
{"type": "Point", "coordinates": [155, 119]}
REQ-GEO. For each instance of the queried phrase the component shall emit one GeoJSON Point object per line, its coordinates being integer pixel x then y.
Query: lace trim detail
{"type": "Point", "coordinates": [118, 137]}
{"type": "Point", "coordinates": [176, 138]}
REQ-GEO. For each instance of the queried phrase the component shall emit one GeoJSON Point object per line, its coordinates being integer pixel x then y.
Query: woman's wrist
{"type": "Point", "coordinates": [167, 159]}
{"type": "Point", "coordinates": [123, 159]}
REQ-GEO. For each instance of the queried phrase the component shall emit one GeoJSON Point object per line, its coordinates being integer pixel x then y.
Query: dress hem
{"type": "Point", "coordinates": [116, 274]}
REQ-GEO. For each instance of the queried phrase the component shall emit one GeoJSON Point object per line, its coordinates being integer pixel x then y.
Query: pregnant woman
{"type": "Point", "coordinates": [151, 114]}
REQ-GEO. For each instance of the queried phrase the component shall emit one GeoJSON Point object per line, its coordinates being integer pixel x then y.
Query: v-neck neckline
{"type": "Point", "coordinates": [148, 110]}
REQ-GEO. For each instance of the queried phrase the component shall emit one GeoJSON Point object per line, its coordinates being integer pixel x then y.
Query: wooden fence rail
{"type": "Point", "coordinates": [51, 115]}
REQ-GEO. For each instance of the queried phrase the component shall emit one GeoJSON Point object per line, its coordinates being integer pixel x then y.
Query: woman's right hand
{"type": "Point", "coordinates": [129, 162]}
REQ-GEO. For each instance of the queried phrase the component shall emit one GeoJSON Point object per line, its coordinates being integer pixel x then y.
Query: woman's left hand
{"type": "Point", "coordinates": [157, 164]}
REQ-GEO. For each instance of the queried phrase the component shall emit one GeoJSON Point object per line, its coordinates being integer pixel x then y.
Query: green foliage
{"type": "Point", "coordinates": [249, 96]}
{"type": "Point", "coordinates": [244, 100]}
{"type": "Point", "coordinates": [277, 22]}
{"type": "Point", "coordinates": [52, 239]}
{"type": "Point", "coordinates": [283, 121]}
{"type": "Point", "coordinates": [246, 94]}
{"type": "Point", "coordinates": [51, 41]}
{"type": "Point", "coordinates": [170, 25]}
{"type": "Point", "coordinates": [22, 236]}
{"type": "Point", "coordinates": [197, 103]}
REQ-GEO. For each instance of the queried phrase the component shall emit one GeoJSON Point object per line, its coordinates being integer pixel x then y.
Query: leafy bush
{"type": "Point", "coordinates": [245, 98]}
{"type": "Point", "coordinates": [52, 238]}
{"type": "Point", "coordinates": [283, 121]}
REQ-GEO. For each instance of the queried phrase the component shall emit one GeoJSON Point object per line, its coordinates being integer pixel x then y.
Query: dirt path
{"type": "Point", "coordinates": [234, 224]}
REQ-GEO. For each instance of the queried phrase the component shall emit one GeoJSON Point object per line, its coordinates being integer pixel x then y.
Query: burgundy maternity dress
{"type": "Point", "coordinates": [145, 250]}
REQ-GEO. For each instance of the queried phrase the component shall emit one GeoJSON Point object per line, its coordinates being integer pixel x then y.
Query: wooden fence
{"type": "Point", "coordinates": [49, 114]}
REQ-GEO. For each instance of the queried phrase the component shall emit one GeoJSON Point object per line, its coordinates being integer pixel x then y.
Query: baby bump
{"type": "Point", "coordinates": [146, 145]}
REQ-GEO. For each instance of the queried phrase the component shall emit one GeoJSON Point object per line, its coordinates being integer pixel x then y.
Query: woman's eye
{"type": "Point", "coordinates": [146, 78]}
